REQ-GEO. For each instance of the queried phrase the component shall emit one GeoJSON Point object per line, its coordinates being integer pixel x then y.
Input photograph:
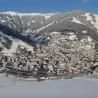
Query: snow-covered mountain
{"type": "Point", "coordinates": [51, 43]}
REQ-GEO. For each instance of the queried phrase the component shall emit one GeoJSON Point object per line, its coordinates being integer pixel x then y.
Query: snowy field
{"type": "Point", "coordinates": [70, 88]}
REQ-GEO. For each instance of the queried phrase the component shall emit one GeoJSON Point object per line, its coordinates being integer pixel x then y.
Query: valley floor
{"type": "Point", "coordinates": [62, 88]}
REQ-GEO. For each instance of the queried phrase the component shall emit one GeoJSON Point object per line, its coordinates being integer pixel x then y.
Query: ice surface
{"type": "Point", "coordinates": [68, 88]}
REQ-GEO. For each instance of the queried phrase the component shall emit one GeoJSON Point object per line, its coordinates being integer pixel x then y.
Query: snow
{"type": "Point", "coordinates": [28, 30]}
{"type": "Point", "coordinates": [42, 22]}
{"type": "Point", "coordinates": [14, 25]}
{"type": "Point", "coordinates": [84, 31]}
{"type": "Point", "coordinates": [71, 33]}
{"type": "Point", "coordinates": [68, 88]}
{"type": "Point", "coordinates": [38, 30]}
{"type": "Point", "coordinates": [88, 38]}
{"type": "Point", "coordinates": [3, 21]}
{"type": "Point", "coordinates": [14, 46]}
{"type": "Point", "coordinates": [15, 43]}
{"type": "Point", "coordinates": [89, 18]}
{"type": "Point", "coordinates": [33, 21]}
{"type": "Point", "coordinates": [72, 37]}
{"type": "Point", "coordinates": [96, 17]}
{"type": "Point", "coordinates": [76, 20]}
{"type": "Point", "coordinates": [28, 23]}
{"type": "Point", "coordinates": [46, 15]}
{"type": "Point", "coordinates": [55, 33]}
{"type": "Point", "coordinates": [9, 12]}
{"type": "Point", "coordinates": [96, 64]}
{"type": "Point", "coordinates": [8, 18]}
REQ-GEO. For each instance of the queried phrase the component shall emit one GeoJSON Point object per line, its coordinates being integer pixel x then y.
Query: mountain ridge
{"type": "Point", "coordinates": [49, 44]}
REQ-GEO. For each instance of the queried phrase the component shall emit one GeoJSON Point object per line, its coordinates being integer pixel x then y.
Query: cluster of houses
{"type": "Point", "coordinates": [61, 57]}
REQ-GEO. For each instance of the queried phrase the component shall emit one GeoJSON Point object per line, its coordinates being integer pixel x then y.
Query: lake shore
{"type": "Point", "coordinates": [61, 88]}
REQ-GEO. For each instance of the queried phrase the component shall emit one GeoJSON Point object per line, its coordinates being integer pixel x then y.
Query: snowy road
{"type": "Point", "coordinates": [71, 88]}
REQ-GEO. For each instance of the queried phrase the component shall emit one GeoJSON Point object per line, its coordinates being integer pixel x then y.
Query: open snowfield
{"type": "Point", "coordinates": [70, 88]}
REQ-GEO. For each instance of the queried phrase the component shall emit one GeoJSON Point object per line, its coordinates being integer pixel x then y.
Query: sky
{"type": "Point", "coordinates": [48, 6]}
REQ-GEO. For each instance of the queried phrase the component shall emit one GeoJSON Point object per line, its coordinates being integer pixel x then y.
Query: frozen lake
{"type": "Point", "coordinates": [70, 88]}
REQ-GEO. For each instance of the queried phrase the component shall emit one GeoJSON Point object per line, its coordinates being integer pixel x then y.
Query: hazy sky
{"type": "Point", "coordinates": [48, 5]}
